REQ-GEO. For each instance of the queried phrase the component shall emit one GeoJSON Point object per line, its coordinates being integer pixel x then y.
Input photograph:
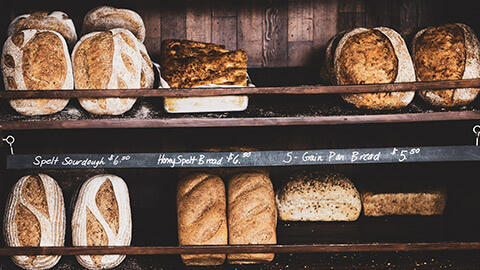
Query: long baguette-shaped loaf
{"type": "Point", "coordinates": [102, 217]}
{"type": "Point", "coordinates": [201, 215]}
{"type": "Point", "coordinates": [252, 215]}
{"type": "Point", "coordinates": [35, 216]}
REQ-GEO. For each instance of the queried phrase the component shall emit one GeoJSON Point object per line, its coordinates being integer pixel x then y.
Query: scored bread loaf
{"type": "Point", "coordinates": [104, 18]}
{"type": "Point", "coordinates": [252, 216]}
{"type": "Point", "coordinates": [56, 21]}
{"type": "Point", "coordinates": [35, 216]}
{"type": "Point", "coordinates": [447, 52]}
{"type": "Point", "coordinates": [201, 216]}
{"type": "Point", "coordinates": [318, 196]}
{"type": "Point", "coordinates": [102, 217]}
{"type": "Point", "coordinates": [370, 56]}
{"type": "Point", "coordinates": [36, 60]}
{"type": "Point", "coordinates": [113, 59]}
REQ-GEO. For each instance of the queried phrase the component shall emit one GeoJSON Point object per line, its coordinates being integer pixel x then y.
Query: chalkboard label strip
{"type": "Point", "coordinates": [245, 159]}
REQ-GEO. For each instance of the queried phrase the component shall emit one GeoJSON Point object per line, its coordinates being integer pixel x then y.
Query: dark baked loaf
{"type": "Point", "coordinates": [370, 56]}
{"type": "Point", "coordinates": [186, 63]}
{"type": "Point", "coordinates": [447, 52]}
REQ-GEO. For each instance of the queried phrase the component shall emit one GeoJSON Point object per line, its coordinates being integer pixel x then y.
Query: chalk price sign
{"type": "Point", "coordinates": [245, 159]}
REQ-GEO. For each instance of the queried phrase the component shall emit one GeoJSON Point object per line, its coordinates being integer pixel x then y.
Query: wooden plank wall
{"type": "Point", "coordinates": [275, 33]}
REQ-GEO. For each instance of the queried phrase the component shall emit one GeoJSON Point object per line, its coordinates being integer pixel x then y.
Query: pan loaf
{"type": "Point", "coordinates": [35, 216]}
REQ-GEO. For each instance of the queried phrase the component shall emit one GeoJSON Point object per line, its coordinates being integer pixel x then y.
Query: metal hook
{"type": "Point", "coordinates": [9, 140]}
{"type": "Point", "coordinates": [476, 130]}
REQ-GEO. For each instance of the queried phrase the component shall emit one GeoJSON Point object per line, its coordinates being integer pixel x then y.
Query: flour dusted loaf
{"type": "Point", "coordinates": [36, 60]}
{"type": "Point", "coordinates": [252, 215]}
{"type": "Point", "coordinates": [318, 196]}
{"type": "Point", "coordinates": [202, 216]}
{"type": "Point", "coordinates": [370, 56]}
{"type": "Point", "coordinates": [35, 216]}
{"type": "Point", "coordinates": [186, 63]}
{"type": "Point", "coordinates": [113, 59]}
{"type": "Point", "coordinates": [104, 18]}
{"type": "Point", "coordinates": [447, 52]}
{"type": "Point", "coordinates": [57, 21]}
{"type": "Point", "coordinates": [102, 217]}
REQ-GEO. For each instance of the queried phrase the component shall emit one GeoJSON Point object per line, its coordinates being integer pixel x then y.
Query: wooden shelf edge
{"type": "Point", "coordinates": [315, 248]}
{"type": "Point", "coordinates": [220, 91]}
{"type": "Point", "coordinates": [240, 122]}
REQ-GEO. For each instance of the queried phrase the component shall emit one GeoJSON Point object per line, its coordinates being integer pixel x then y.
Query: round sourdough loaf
{"type": "Point", "coordinates": [105, 18]}
{"type": "Point", "coordinates": [202, 216]}
{"type": "Point", "coordinates": [447, 52]}
{"type": "Point", "coordinates": [36, 60]}
{"type": "Point", "coordinates": [370, 56]}
{"type": "Point", "coordinates": [318, 196]}
{"type": "Point", "coordinates": [102, 217]}
{"type": "Point", "coordinates": [56, 21]}
{"type": "Point", "coordinates": [35, 216]}
{"type": "Point", "coordinates": [113, 59]}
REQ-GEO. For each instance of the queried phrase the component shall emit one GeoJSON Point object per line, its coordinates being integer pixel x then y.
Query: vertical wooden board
{"type": "Point", "coordinates": [351, 14]}
{"type": "Point", "coordinates": [224, 8]}
{"type": "Point", "coordinates": [378, 13]}
{"type": "Point", "coordinates": [324, 22]}
{"type": "Point", "coordinates": [199, 20]}
{"type": "Point", "coordinates": [275, 22]}
{"type": "Point", "coordinates": [300, 53]}
{"type": "Point", "coordinates": [152, 20]}
{"type": "Point", "coordinates": [224, 32]}
{"type": "Point", "coordinates": [354, 6]}
{"type": "Point", "coordinates": [300, 20]}
{"type": "Point", "coordinates": [173, 20]}
{"type": "Point", "coordinates": [408, 18]}
{"type": "Point", "coordinates": [249, 30]}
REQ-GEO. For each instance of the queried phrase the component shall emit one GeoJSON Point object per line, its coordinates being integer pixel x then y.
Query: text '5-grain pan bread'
{"type": "Point", "coordinates": [447, 52]}
{"type": "Point", "coordinates": [318, 196]}
{"type": "Point", "coordinates": [56, 21]}
{"type": "Point", "coordinates": [102, 217]}
{"type": "Point", "coordinates": [370, 56]}
{"type": "Point", "coordinates": [252, 216]}
{"type": "Point", "coordinates": [35, 216]}
{"type": "Point", "coordinates": [202, 216]}
{"type": "Point", "coordinates": [113, 59]}
{"type": "Point", "coordinates": [104, 18]}
{"type": "Point", "coordinates": [36, 60]}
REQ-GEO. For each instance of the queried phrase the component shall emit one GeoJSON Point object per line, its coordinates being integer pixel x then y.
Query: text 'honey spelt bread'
{"type": "Point", "coordinates": [252, 215]}
{"type": "Point", "coordinates": [36, 60]}
{"type": "Point", "coordinates": [35, 216]}
{"type": "Point", "coordinates": [318, 196]}
{"type": "Point", "coordinates": [370, 56]}
{"type": "Point", "coordinates": [113, 59]}
{"type": "Point", "coordinates": [447, 52]}
{"type": "Point", "coordinates": [186, 63]}
{"type": "Point", "coordinates": [202, 216]}
{"type": "Point", "coordinates": [56, 21]}
{"type": "Point", "coordinates": [102, 217]}
{"type": "Point", "coordinates": [104, 18]}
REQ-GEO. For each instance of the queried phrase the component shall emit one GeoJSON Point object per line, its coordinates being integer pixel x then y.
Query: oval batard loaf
{"type": "Point", "coordinates": [447, 52]}
{"type": "Point", "coordinates": [35, 216]}
{"type": "Point", "coordinates": [369, 56]}
{"type": "Point", "coordinates": [201, 216]}
{"type": "Point", "coordinates": [102, 217]}
{"type": "Point", "coordinates": [56, 21]}
{"type": "Point", "coordinates": [252, 216]}
{"type": "Point", "coordinates": [36, 60]}
{"type": "Point", "coordinates": [318, 196]}
{"type": "Point", "coordinates": [113, 59]}
{"type": "Point", "coordinates": [105, 18]}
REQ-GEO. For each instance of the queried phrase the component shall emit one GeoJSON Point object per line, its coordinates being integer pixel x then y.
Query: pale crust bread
{"type": "Point", "coordinates": [105, 18]}
{"type": "Point", "coordinates": [37, 60]}
{"type": "Point", "coordinates": [201, 216]}
{"type": "Point", "coordinates": [403, 70]}
{"type": "Point", "coordinates": [318, 196]}
{"type": "Point", "coordinates": [35, 216]}
{"type": "Point", "coordinates": [113, 59]}
{"type": "Point", "coordinates": [102, 217]}
{"type": "Point", "coordinates": [453, 50]}
{"type": "Point", "coordinates": [425, 203]}
{"type": "Point", "coordinates": [57, 21]}
{"type": "Point", "coordinates": [252, 216]}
